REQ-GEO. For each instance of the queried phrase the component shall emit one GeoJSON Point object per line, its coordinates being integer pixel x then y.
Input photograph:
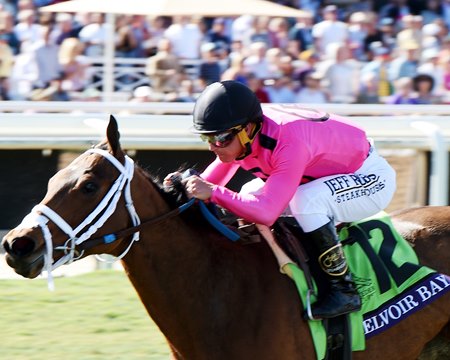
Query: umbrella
{"type": "Point", "coordinates": [177, 7]}
{"type": "Point", "coordinates": [165, 7]}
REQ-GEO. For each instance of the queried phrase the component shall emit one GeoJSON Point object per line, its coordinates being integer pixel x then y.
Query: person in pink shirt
{"type": "Point", "coordinates": [318, 165]}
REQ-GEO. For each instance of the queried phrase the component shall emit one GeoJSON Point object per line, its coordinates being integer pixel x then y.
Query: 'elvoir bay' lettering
{"type": "Point", "coordinates": [413, 300]}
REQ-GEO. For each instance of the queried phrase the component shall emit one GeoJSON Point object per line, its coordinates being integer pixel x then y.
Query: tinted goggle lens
{"type": "Point", "coordinates": [219, 140]}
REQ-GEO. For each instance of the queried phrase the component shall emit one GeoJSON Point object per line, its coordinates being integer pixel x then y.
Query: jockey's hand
{"type": "Point", "coordinates": [196, 187]}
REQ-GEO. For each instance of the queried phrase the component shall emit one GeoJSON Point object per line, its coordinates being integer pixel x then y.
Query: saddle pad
{"type": "Point", "coordinates": [391, 282]}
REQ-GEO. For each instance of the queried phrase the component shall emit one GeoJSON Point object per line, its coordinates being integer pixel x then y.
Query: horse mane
{"type": "Point", "coordinates": [174, 195]}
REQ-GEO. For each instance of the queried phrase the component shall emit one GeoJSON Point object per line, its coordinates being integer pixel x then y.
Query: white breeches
{"type": "Point", "coordinates": [341, 198]}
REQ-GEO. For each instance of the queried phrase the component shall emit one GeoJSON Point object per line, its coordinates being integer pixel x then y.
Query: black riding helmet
{"type": "Point", "coordinates": [224, 105]}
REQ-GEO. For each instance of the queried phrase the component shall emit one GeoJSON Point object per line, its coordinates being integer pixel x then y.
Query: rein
{"type": "Point", "coordinates": [109, 238]}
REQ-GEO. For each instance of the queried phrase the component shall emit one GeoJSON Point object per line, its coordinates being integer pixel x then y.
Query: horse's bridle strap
{"type": "Point", "coordinates": [109, 238]}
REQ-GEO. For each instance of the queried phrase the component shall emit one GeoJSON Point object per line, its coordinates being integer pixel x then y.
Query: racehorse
{"type": "Point", "coordinates": [211, 298]}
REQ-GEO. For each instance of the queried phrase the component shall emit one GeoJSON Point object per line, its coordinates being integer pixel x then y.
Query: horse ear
{"type": "Point", "coordinates": [113, 136]}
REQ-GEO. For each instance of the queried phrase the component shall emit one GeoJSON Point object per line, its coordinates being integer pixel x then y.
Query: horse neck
{"type": "Point", "coordinates": [168, 256]}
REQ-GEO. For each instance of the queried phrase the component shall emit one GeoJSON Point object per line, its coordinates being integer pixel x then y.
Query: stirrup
{"type": "Point", "coordinates": [308, 305]}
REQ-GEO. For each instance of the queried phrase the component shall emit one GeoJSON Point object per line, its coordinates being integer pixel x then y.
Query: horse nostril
{"type": "Point", "coordinates": [20, 246]}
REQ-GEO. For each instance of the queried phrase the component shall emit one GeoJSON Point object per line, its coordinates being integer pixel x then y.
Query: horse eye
{"type": "Point", "coordinates": [89, 187]}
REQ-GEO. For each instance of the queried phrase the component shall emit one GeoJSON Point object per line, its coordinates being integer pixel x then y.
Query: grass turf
{"type": "Point", "coordinates": [93, 316]}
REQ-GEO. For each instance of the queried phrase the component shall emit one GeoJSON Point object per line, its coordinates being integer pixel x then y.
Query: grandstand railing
{"type": "Point", "coordinates": [129, 73]}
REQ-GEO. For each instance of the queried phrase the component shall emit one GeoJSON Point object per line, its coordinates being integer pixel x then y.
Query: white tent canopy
{"type": "Point", "coordinates": [177, 7]}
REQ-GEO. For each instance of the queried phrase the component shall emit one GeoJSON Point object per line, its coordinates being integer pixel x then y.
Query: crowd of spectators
{"type": "Point", "coordinates": [395, 52]}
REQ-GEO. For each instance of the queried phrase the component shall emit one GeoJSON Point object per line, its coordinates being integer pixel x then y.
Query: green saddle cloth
{"type": "Point", "coordinates": [384, 266]}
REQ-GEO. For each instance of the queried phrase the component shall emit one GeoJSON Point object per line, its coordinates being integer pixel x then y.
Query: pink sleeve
{"type": "Point", "coordinates": [280, 187]}
{"type": "Point", "coordinates": [219, 172]}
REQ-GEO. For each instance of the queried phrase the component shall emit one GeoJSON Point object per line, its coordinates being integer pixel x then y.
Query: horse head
{"type": "Point", "coordinates": [82, 198]}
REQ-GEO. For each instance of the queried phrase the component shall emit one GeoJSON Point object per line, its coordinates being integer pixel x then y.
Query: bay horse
{"type": "Point", "coordinates": [211, 298]}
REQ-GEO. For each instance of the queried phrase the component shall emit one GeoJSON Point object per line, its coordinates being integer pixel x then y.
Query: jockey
{"type": "Point", "coordinates": [319, 166]}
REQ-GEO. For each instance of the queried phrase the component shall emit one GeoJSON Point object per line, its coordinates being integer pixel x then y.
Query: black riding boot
{"type": "Point", "coordinates": [342, 297]}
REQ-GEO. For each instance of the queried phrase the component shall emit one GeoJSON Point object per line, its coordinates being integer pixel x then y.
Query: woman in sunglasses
{"type": "Point", "coordinates": [320, 166]}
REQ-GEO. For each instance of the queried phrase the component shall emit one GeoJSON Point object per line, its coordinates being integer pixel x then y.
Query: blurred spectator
{"type": "Point", "coordinates": [307, 63]}
{"type": "Point", "coordinates": [25, 5]}
{"type": "Point", "coordinates": [157, 26]}
{"type": "Point", "coordinates": [431, 66]}
{"type": "Point", "coordinates": [217, 35]}
{"type": "Point", "coordinates": [395, 9]}
{"type": "Point", "coordinates": [340, 75]}
{"type": "Point", "coordinates": [209, 70]}
{"type": "Point", "coordinates": [143, 94]}
{"type": "Point", "coordinates": [257, 86]}
{"type": "Point", "coordinates": [23, 74]}
{"type": "Point", "coordinates": [9, 6]}
{"type": "Point", "coordinates": [185, 36]}
{"type": "Point", "coordinates": [369, 90]}
{"type": "Point", "coordinates": [378, 68]}
{"type": "Point", "coordinates": [236, 70]}
{"type": "Point", "coordinates": [445, 47]}
{"type": "Point", "coordinates": [93, 35]}
{"type": "Point", "coordinates": [445, 62]}
{"type": "Point", "coordinates": [52, 92]}
{"type": "Point", "coordinates": [164, 69]}
{"type": "Point", "coordinates": [73, 64]}
{"type": "Point", "coordinates": [27, 32]}
{"type": "Point", "coordinates": [387, 28]}
{"type": "Point", "coordinates": [6, 64]}
{"type": "Point", "coordinates": [260, 31]}
{"type": "Point", "coordinates": [330, 30]}
{"type": "Point", "coordinates": [7, 31]}
{"type": "Point", "coordinates": [373, 34]}
{"type": "Point", "coordinates": [405, 65]}
{"type": "Point", "coordinates": [357, 33]}
{"type": "Point", "coordinates": [45, 18]}
{"type": "Point", "coordinates": [141, 33]}
{"type": "Point", "coordinates": [281, 90]}
{"type": "Point", "coordinates": [403, 92]}
{"type": "Point", "coordinates": [242, 28]}
{"type": "Point", "coordinates": [126, 43]}
{"type": "Point", "coordinates": [279, 32]}
{"type": "Point", "coordinates": [446, 11]}
{"type": "Point", "coordinates": [311, 6]}
{"type": "Point", "coordinates": [412, 31]}
{"type": "Point", "coordinates": [431, 36]}
{"type": "Point", "coordinates": [257, 62]}
{"type": "Point", "coordinates": [301, 32]}
{"type": "Point", "coordinates": [273, 57]}
{"type": "Point", "coordinates": [186, 92]}
{"type": "Point", "coordinates": [311, 91]}
{"type": "Point", "coordinates": [423, 85]}
{"type": "Point", "coordinates": [65, 28]}
{"type": "Point", "coordinates": [432, 11]}
{"type": "Point", "coordinates": [46, 57]}
{"type": "Point", "coordinates": [286, 66]}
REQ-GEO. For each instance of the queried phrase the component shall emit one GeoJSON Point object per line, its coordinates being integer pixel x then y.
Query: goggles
{"type": "Point", "coordinates": [222, 139]}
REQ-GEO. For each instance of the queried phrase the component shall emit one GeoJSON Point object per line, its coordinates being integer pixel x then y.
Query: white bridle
{"type": "Point", "coordinates": [41, 214]}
